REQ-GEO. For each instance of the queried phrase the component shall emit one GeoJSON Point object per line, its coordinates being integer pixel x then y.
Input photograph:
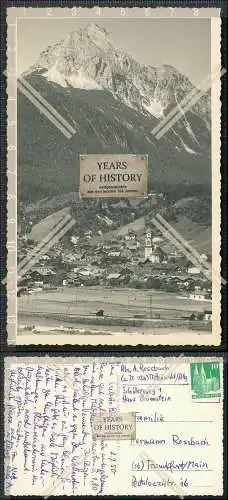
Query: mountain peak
{"type": "Point", "coordinates": [87, 58]}
{"type": "Point", "coordinates": [94, 28]}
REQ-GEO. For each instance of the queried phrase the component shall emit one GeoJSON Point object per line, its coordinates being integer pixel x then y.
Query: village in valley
{"type": "Point", "coordinates": [130, 258]}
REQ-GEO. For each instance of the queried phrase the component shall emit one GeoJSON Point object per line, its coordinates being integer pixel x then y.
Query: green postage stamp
{"type": "Point", "coordinates": [205, 380]}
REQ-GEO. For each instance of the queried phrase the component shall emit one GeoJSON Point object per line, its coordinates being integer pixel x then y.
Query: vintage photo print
{"type": "Point", "coordinates": [114, 176]}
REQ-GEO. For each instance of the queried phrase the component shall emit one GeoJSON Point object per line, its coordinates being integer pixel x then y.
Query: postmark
{"type": "Point", "coordinates": [126, 265]}
{"type": "Point", "coordinates": [112, 427]}
{"type": "Point", "coordinates": [205, 380]}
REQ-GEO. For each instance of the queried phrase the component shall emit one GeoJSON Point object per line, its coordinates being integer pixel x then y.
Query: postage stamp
{"type": "Point", "coordinates": [114, 176]}
{"type": "Point", "coordinates": [114, 426]}
{"type": "Point", "coordinates": [205, 380]}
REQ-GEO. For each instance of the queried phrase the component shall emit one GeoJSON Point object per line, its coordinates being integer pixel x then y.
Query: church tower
{"type": "Point", "coordinates": [150, 252]}
{"type": "Point", "coordinates": [148, 245]}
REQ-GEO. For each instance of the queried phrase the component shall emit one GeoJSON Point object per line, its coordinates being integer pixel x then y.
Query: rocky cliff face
{"type": "Point", "coordinates": [87, 59]}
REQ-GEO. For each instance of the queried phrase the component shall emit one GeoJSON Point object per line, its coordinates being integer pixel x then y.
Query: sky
{"type": "Point", "coordinates": [182, 43]}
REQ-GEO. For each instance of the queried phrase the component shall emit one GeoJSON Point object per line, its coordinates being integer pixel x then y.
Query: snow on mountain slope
{"type": "Point", "coordinates": [87, 58]}
{"type": "Point", "coordinates": [78, 80]}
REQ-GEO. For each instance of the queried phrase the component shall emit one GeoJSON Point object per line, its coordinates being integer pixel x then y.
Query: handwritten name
{"type": "Point", "coordinates": [173, 440]}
